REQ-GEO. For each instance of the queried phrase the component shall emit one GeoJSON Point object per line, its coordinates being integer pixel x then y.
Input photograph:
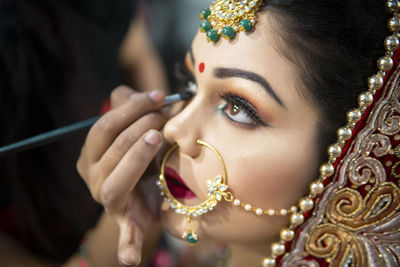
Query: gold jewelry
{"type": "Point", "coordinates": [350, 216]}
{"type": "Point", "coordinates": [226, 17]}
{"type": "Point", "coordinates": [217, 191]}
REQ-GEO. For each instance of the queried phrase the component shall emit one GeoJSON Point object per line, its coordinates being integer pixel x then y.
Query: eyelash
{"type": "Point", "coordinates": [186, 77]}
{"type": "Point", "coordinates": [249, 109]}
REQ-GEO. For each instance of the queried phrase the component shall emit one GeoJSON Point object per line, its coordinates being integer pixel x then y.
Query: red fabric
{"type": "Point", "coordinates": [360, 125]}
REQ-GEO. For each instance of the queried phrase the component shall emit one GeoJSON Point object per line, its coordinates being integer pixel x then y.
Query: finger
{"type": "Point", "coordinates": [108, 127]}
{"type": "Point", "coordinates": [123, 178]}
{"type": "Point", "coordinates": [128, 137]}
{"type": "Point", "coordinates": [118, 149]}
{"type": "Point", "coordinates": [87, 171]}
{"type": "Point", "coordinates": [130, 244]}
{"type": "Point", "coordinates": [82, 165]}
{"type": "Point", "coordinates": [133, 226]}
{"type": "Point", "coordinates": [120, 95]}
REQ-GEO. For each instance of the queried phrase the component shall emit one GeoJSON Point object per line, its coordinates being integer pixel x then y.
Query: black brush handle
{"type": "Point", "coordinates": [47, 137]}
{"type": "Point", "coordinates": [69, 130]}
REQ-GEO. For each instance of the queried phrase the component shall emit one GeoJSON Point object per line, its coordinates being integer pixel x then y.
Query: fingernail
{"type": "Point", "coordinates": [152, 138]}
{"type": "Point", "coordinates": [127, 258]}
{"type": "Point", "coordinates": [156, 96]}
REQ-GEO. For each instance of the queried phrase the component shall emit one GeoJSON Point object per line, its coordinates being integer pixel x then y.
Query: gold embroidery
{"type": "Point", "coordinates": [348, 213]}
{"type": "Point", "coordinates": [357, 220]}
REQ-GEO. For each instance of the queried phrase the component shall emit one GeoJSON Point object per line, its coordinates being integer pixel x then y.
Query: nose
{"type": "Point", "coordinates": [186, 127]}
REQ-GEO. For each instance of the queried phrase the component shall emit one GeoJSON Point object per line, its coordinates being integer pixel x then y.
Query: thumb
{"type": "Point", "coordinates": [130, 242]}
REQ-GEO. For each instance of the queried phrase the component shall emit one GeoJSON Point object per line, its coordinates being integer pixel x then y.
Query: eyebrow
{"type": "Point", "coordinates": [224, 73]}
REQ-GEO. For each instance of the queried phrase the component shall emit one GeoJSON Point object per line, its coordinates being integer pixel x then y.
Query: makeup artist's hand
{"type": "Point", "coordinates": [116, 154]}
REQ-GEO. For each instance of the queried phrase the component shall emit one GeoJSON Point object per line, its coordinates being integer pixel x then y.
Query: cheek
{"type": "Point", "coordinates": [273, 180]}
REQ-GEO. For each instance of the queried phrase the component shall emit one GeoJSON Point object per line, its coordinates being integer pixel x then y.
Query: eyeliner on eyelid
{"type": "Point", "coordinates": [250, 110]}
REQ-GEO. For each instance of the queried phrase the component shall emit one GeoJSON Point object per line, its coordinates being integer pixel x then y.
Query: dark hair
{"type": "Point", "coordinates": [58, 63]}
{"type": "Point", "coordinates": [41, 75]}
{"type": "Point", "coordinates": [335, 46]}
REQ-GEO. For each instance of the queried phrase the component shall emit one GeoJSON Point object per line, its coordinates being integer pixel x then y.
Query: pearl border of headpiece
{"type": "Point", "coordinates": [365, 99]}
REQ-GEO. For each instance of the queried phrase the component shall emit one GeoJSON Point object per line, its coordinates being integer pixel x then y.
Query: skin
{"type": "Point", "coordinates": [268, 166]}
{"type": "Point", "coordinates": [262, 162]}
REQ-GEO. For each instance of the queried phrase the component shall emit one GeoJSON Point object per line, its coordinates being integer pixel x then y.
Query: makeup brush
{"type": "Point", "coordinates": [66, 131]}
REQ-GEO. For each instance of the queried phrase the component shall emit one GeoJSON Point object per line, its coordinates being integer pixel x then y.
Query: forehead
{"type": "Point", "coordinates": [245, 50]}
{"type": "Point", "coordinates": [256, 51]}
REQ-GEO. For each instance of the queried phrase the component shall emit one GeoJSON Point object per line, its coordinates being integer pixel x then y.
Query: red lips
{"type": "Point", "coordinates": [176, 185]}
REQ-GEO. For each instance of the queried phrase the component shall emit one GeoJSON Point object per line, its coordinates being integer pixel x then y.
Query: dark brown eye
{"type": "Point", "coordinates": [234, 109]}
{"type": "Point", "coordinates": [240, 110]}
{"type": "Point", "coordinates": [236, 113]}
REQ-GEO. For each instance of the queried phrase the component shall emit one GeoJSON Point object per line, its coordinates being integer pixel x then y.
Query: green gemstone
{"type": "Point", "coordinates": [205, 26]}
{"type": "Point", "coordinates": [228, 32]}
{"type": "Point", "coordinates": [245, 25]}
{"type": "Point", "coordinates": [212, 35]}
{"type": "Point", "coordinates": [204, 13]}
{"type": "Point", "coordinates": [191, 239]}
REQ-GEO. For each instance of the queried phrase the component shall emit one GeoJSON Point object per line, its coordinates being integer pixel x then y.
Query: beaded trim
{"type": "Point", "coordinates": [227, 17]}
{"type": "Point", "coordinates": [326, 170]}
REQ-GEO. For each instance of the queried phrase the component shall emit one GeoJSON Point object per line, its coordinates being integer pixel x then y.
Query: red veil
{"type": "Point", "coordinates": [356, 219]}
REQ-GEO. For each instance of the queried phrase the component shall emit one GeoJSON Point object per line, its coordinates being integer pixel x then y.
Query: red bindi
{"type": "Point", "coordinates": [202, 66]}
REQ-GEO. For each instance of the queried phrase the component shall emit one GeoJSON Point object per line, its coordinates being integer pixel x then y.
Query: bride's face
{"type": "Point", "coordinates": [249, 106]}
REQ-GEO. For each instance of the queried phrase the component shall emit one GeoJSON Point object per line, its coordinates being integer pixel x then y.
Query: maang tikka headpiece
{"type": "Point", "coordinates": [227, 17]}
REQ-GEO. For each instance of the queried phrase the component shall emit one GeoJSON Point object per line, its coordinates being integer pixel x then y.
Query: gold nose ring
{"type": "Point", "coordinates": [217, 190]}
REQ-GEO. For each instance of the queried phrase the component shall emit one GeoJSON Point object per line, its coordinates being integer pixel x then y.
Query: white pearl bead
{"type": "Point", "coordinates": [283, 212]}
{"type": "Point", "coordinates": [259, 211]}
{"type": "Point", "coordinates": [392, 6]}
{"type": "Point", "coordinates": [354, 115]}
{"type": "Point", "coordinates": [247, 207]}
{"type": "Point", "coordinates": [184, 235]}
{"type": "Point", "coordinates": [365, 99]}
{"type": "Point", "coordinates": [334, 151]}
{"type": "Point", "coordinates": [236, 202]}
{"type": "Point", "coordinates": [306, 204]}
{"type": "Point", "coordinates": [271, 212]}
{"type": "Point", "coordinates": [344, 133]}
{"type": "Point", "coordinates": [375, 82]}
{"type": "Point", "coordinates": [326, 169]}
{"type": "Point", "coordinates": [391, 43]}
{"type": "Point", "coordinates": [286, 234]}
{"type": "Point", "coordinates": [297, 219]}
{"type": "Point", "coordinates": [269, 262]}
{"type": "Point", "coordinates": [277, 249]}
{"type": "Point", "coordinates": [316, 188]}
{"type": "Point", "coordinates": [385, 63]}
{"type": "Point", "coordinates": [394, 24]}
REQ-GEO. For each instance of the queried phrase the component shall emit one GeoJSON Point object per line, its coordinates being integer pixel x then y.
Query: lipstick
{"type": "Point", "coordinates": [177, 185]}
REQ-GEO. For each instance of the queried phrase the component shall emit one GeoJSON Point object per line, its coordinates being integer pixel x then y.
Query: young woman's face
{"type": "Point", "coordinates": [249, 107]}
